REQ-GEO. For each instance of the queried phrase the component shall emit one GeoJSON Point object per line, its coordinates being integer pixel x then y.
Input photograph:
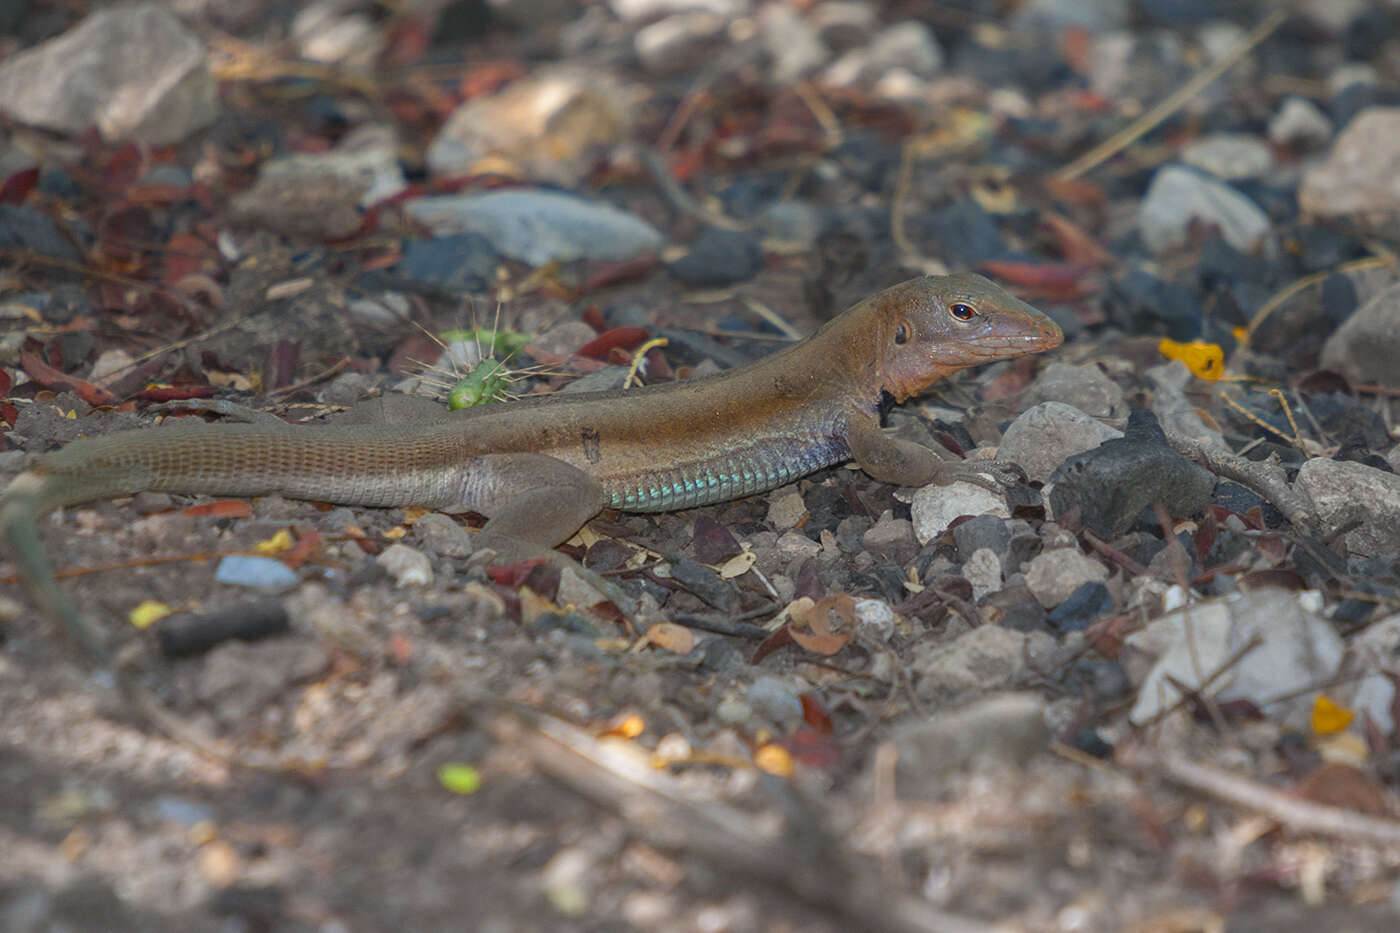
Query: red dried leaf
{"type": "Point", "coordinates": [512, 575]}
{"type": "Point", "coordinates": [5, 382]}
{"type": "Point", "coordinates": [220, 508]}
{"type": "Point", "coordinates": [1058, 280]}
{"type": "Point", "coordinates": [1337, 785]}
{"type": "Point", "coordinates": [623, 338]}
{"type": "Point", "coordinates": [299, 553]}
{"type": "Point", "coordinates": [187, 255]}
{"type": "Point", "coordinates": [9, 412]}
{"type": "Point", "coordinates": [489, 77]}
{"type": "Point", "coordinates": [407, 40]}
{"type": "Point", "coordinates": [779, 639]}
{"type": "Point", "coordinates": [608, 274]}
{"type": "Point", "coordinates": [1076, 245]}
{"type": "Point", "coordinates": [1075, 191]}
{"type": "Point", "coordinates": [814, 715]}
{"type": "Point", "coordinates": [51, 378]}
{"type": "Point", "coordinates": [17, 187]}
{"type": "Point", "coordinates": [813, 749]}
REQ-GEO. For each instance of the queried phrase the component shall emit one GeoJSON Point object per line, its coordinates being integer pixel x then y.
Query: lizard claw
{"type": "Point", "coordinates": [991, 475]}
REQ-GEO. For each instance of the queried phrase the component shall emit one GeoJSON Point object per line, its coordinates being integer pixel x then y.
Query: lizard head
{"type": "Point", "coordinates": [935, 325]}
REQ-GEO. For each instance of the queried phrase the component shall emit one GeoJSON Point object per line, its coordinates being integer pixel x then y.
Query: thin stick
{"type": "Point", "coordinates": [1295, 813]}
{"type": "Point", "coordinates": [1150, 120]}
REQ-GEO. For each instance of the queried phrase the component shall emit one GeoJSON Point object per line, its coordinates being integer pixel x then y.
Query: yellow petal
{"type": "Point", "coordinates": [1328, 717]}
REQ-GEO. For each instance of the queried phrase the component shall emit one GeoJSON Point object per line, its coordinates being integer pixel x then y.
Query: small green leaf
{"type": "Point", "coordinates": [459, 778]}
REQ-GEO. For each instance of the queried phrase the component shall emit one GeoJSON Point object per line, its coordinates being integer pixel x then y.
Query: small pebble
{"type": "Point", "coordinates": [406, 565]}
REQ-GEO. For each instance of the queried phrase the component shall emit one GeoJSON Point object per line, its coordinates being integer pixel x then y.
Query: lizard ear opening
{"type": "Point", "coordinates": [901, 334]}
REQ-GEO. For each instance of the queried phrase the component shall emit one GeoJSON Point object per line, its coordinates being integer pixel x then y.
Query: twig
{"type": "Point", "coordinates": [314, 378]}
{"type": "Point", "coordinates": [1293, 288]}
{"type": "Point", "coordinates": [657, 808]}
{"type": "Point", "coordinates": [1295, 813]}
{"type": "Point", "coordinates": [1150, 120]}
{"type": "Point", "coordinates": [1266, 477]}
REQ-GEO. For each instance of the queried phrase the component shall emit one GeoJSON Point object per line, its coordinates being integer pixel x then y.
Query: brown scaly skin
{"type": "Point", "coordinates": [540, 468]}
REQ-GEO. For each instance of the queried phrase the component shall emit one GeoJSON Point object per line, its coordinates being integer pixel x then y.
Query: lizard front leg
{"type": "Point", "coordinates": [904, 463]}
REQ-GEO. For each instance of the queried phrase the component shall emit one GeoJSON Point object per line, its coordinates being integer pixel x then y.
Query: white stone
{"type": "Point", "coordinates": [935, 507]}
{"type": "Point", "coordinates": [1178, 196]}
{"type": "Point", "coordinates": [406, 565]}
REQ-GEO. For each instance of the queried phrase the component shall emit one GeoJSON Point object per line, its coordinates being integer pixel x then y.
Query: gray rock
{"type": "Point", "coordinates": [1349, 73]}
{"type": "Point", "coordinates": [909, 47]}
{"type": "Point", "coordinates": [1375, 699]}
{"type": "Point", "coordinates": [1378, 646]}
{"type": "Point", "coordinates": [640, 10]}
{"type": "Point", "coordinates": [1299, 124]}
{"type": "Point", "coordinates": [1298, 648]}
{"type": "Point", "coordinates": [986, 658]}
{"type": "Point", "coordinates": [1053, 576]}
{"type": "Point", "coordinates": [843, 24]}
{"type": "Point", "coordinates": [1359, 174]}
{"type": "Point", "coordinates": [1364, 349]}
{"type": "Point", "coordinates": [791, 43]}
{"type": "Point", "coordinates": [791, 223]}
{"type": "Point", "coordinates": [1342, 492]}
{"type": "Point", "coordinates": [442, 536]}
{"type": "Point", "coordinates": [984, 531]}
{"type": "Point", "coordinates": [733, 712]}
{"type": "Point", "coordinates": [1050, 17]}
{"type": "Point", "coordinates": [1087, 388]}
{"type": "Point", "coordinates": [1045, 436]}
{"type": "Point", "coordinates": [775, 700]}
{"type": "Point", "coordinates": [786, 510]}
{"type": "Point", "coordinates": [983, 571]}
{"type": "Point", "coordinates": [408, 566]}
{"type": "Point", "coordinates": [891, 538]}
{"type": "Point", "coordinates": [1105, 489]}
{"type": "Point", "coordinates": [719, 257]}
{"type": "Point", "coordinates": [321, 194]}
{"type": "Point", "coordinates": [548, 127]}
{"type": "Point", "coordinates": [935, 507]}
{"type": "Point", "coordinates": [793, 545]}
{"type": "Point", "coordinates": [1230, 156]}
{"type": "Point", "coordinates": [134, 72]}
{"type": "Point", "coordinates": [1002, 731]}
{"type": "Point", "coordinates": [1179, 196]}
{"type": "Point", "coordinates": [875, 618]}
{"type": "Point", "coordinates": [679, 42]}
{"type": "Point", "coordinates": [538, 227]}
{"type": "Point", "coordinates": [239, 678]}
{"type": "Point", "coordinates": [1175, 411]}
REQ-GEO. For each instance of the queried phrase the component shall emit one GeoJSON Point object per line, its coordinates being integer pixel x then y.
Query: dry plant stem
{"type": "Point", "coordinates": [1294, 813]}
{"type": "Point", "coordinates": [1265, 477]}
{"type": "Point", "coordinates": [1150, 120]}
{"type": "Point", "coordinates": [658, 809]}
{"type": "Point", "coordinates": [680, 198]}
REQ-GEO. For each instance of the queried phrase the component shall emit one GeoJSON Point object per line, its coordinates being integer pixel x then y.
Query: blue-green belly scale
{"type": "Point", "coordinates": [740, 471]}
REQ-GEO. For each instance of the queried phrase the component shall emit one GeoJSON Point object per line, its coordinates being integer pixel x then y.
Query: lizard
{"type": "Point", "coordinates": [540, 468]}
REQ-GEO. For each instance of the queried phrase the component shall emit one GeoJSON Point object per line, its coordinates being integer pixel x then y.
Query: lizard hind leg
{"type": "Point", "coordinates": [538, 502]}
{"type": "Point", "coordinates": [536, 499]}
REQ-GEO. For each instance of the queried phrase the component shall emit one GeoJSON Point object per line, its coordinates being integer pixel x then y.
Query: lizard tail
{"type": "Point", "coordinates": [20, 507]}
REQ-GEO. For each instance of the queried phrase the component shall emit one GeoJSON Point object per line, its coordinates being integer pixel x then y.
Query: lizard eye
{"type": "Point", "coordinates": [901, 334]}
{"type": "Point", "coordinates": [962, 311]}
